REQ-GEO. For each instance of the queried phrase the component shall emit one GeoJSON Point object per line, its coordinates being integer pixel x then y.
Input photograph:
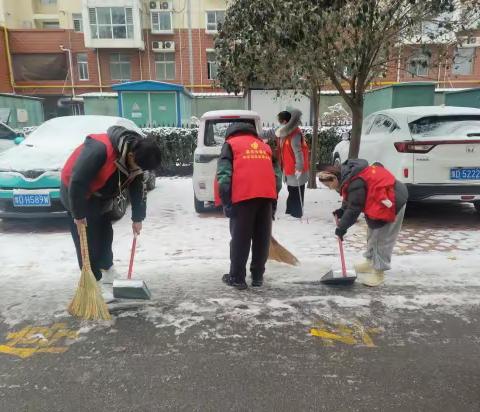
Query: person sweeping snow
{"type": "Point", "coordinates": [93, 176]}
{"type": "Point", "coordinates": [374, 191]}
{"type": "Point", "coordinates": [295, 160]}
{"type": "Point", "coordinates": [248, 181]}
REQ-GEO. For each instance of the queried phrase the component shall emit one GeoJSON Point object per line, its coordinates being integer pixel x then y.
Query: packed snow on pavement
{"type": "Point", "coordinates": [182, 256]}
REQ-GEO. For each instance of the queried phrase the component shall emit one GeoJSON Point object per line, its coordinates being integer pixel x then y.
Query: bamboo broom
{"type": "Point", "coordinates": [88, 302]}
{"type": "Point", "coordinates": [280, 254]}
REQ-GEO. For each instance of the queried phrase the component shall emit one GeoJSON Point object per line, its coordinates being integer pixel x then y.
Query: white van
{"type": "Point", "coordinates": [211, 136]}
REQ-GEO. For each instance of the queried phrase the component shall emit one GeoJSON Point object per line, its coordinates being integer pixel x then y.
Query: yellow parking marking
{"type": "Point", "coordinates": [32, 340]}
{"type": "Point", "coordinates": [356, 334]}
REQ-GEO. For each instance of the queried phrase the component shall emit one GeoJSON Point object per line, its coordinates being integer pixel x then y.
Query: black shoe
{"type": "Point", "coordinates": [230, 281]}
{"type": "Point", "coordinates": [257, 283]}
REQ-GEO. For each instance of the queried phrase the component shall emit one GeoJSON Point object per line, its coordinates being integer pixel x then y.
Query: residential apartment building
{"type": "Point", "coordinates": [64, 48]}
{"type": "Point", "coordinates": [104, 42]}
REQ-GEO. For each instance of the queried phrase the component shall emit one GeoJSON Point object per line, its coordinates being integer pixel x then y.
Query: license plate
{"type": "Point", "coordinates": [31, 200]}
{"type": "Point", "coordinates": [465, 173]}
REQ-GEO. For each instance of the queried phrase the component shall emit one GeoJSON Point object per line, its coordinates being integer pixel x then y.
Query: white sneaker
{"type": "Point", "coordinates": [107, 293]}
{"type": "Point", "coordinates": [108, 276]}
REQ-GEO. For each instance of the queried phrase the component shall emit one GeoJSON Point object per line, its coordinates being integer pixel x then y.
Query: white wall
{"type": "Point", "coordinates": [266, 103]}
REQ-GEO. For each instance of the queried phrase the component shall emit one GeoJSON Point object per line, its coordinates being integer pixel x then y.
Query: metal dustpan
{"type": "Point", "coordinates": [336, 277]}
{"type": "Point", "coordinates": [129, 288]}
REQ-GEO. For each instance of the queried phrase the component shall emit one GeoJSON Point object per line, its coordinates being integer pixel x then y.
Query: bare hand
{"type": "Point", "coordinates": [137, 228]}
{"type": "Point", "coordinates": [298, 173]}
{"type": "Point", "coordinates": [81, 222]}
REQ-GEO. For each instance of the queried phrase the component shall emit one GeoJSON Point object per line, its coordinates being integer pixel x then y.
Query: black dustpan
{"type": "Point", "coordinates": [336, 277]}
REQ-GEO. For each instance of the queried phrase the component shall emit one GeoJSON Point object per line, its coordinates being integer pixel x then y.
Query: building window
{"type": "Point", "coordinates": [161, 22]}
{"type": "Point", "coordinates": [82, 63]}
{"type": "Point", "coordinates": [120, 67]}
{"type": "Point", "coordinates": [50, 25]}
{"type": "Point", "coordinates": [212, 66]}
{"type": "Point", "coordinates": [111, 22]}
{"type": "Point", "coordinates": [77, 22]}
{"type": "Point", "coordinates": [418, 65]}
{"type": "Point", "coordinates": [48, 2]}
{"type": "Point", "coordinates": [213, 18]}
{"type": "Point", "coordinates": [463, 61]}
{"type": "Point", "coordinates": [165, 66]}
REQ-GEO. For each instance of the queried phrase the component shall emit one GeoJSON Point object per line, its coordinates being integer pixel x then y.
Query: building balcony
{"type": "Point", "coordinates": [113, 24]}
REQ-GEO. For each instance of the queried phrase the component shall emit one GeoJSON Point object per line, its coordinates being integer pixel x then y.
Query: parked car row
{"type": "Point", "coordinates": [30, 170]}
{"type": "Point", "coordinates": [434, 150]}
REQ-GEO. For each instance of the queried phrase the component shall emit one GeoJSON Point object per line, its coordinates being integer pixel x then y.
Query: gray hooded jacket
{"type": "Point", "coordinates": [357, 193]}
{"type": "Point", "coordinates": [282, 133]}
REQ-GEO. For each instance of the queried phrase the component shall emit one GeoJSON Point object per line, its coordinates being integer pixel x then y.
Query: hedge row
{"type": "Point", "coordinates": [178, 145]}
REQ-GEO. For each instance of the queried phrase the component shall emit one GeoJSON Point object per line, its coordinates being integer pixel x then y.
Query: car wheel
{"type": "Point", "coordinates": [120, 204]}
{"type": "Point", "coordinates": [477, 206]}
{"type": "Point", "coordinates": [199, 205]}
{"type": "Point", "coordinates": [150, 183]}
{"type": "Point", "coordinates": [337, 161]}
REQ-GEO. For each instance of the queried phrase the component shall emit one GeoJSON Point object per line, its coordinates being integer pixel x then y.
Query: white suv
{"type": "Point", "coordinates": [434, 150]}
{"type": "Point", "coordinates": [211, 136]}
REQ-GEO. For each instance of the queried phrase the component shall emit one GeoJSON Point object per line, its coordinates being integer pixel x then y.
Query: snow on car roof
{"type": "Point", "coordinates": [417, 112]}
{"type": "Point", "coordinates": [247, 114]}
{"type": "Point", "coordinates": [49, 146]}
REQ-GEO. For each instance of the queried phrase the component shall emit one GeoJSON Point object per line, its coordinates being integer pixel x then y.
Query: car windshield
{"type": "Point", "coordinates": [434, 126]}
{"type": "Point", "coordinates": [215, 130]}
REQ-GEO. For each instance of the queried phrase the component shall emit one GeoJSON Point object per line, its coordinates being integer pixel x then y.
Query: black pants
{"type": "Point", "coordinates": [294, 205]}
{"type": "Point", "coordinates": [250, 225]}
{"type": "Point", "coordinates": [100, 239]}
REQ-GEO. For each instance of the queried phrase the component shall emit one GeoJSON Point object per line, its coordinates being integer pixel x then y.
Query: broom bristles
{"type": "Point", "coordinates": [88, 302]}
{"type": "Point", "coordinates": [280, 254]}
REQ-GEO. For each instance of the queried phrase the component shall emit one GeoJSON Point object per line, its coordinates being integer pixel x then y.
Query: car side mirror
{"type": "Point", "coordinates": [19, 139]}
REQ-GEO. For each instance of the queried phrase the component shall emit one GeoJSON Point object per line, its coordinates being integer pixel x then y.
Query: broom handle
{"type": "Point", "coordinates": [342, 254]}
{"type": "Point", "coordinates": [82, 233]}
{"type": "Point", "coordinates": [132, 256]}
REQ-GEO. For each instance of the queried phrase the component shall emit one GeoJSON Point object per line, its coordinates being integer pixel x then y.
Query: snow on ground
{"type": "Point", "coordinates": [182, 256]}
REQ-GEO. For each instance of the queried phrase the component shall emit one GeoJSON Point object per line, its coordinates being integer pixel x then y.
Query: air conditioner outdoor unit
{"type": "Point", "coordinates": [470, 41]}
{"type": "Point", "coordinates": [161, 5]}
{"type": "Point", "coordinates": [163, 46]}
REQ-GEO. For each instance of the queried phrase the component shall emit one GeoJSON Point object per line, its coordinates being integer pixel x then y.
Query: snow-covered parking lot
{"type": "Point", "coordinates": [182, 256]}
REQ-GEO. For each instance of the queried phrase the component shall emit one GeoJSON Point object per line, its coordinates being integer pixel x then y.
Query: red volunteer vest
{"type": "Point", "coordinates": [288, 156]}
{"type": "Point", "coordinates": [380, 185]}
{"type": "Point", "coordinates": [107, 170]}
{"type": "Point", "coordinates": [253, 174]}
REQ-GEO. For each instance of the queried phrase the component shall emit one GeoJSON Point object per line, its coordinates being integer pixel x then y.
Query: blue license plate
{"type": "Point", "coordinates": [465, 173]}
{"type": "Point", "coordinates": [31, 200]}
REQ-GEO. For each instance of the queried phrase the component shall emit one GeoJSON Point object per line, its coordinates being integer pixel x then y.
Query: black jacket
{"type": "Point", "coordinates": [91, 159]}
{"type": "Point", "coordinates": [357, 193]}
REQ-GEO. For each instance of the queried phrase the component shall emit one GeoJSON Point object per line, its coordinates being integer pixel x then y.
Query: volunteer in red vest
{"type": "Point", "coordinates": [248, 182]}
{"type": "Point", "coordinates": [374, 191]}
{"type": "Point", "coordinates": [93, 177]}
{"type": "Point", "coordinates": [294, 159]}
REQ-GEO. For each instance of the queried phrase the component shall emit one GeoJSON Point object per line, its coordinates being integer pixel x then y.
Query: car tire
{"type": "Point", "coordinates": [199, 205]}
{"type": "Point", "coordinates": [151, 180]}
{"type": "Point", "coordinates": [477, 206]}
{"type": "Point", "coordinates": [120, 204]}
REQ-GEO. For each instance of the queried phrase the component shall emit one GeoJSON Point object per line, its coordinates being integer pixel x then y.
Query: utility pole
{"type": "Point", "coordinates": [190, 42]}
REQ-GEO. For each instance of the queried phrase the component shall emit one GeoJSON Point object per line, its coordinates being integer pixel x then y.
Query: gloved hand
{"type": "Point", "coordinates": [228, 210]}
{"type": "Point", "coordinates": [340, 233]}
{"type": "Point", "coordinates": [339, 213]}
{"type": "Point", "coordinates": [298, 173]}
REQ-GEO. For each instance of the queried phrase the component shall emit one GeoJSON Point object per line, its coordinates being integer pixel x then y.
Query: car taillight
{"type": "Point", "coordinates": [405, 172]}
{"type": "Point", "coordinates": [409, 147]}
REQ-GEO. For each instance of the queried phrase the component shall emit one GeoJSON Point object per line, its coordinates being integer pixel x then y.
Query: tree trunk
{"type": "Point", "coordinates": [357, 119]}
{"type": "Point", "coordinates": [315, 100]}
